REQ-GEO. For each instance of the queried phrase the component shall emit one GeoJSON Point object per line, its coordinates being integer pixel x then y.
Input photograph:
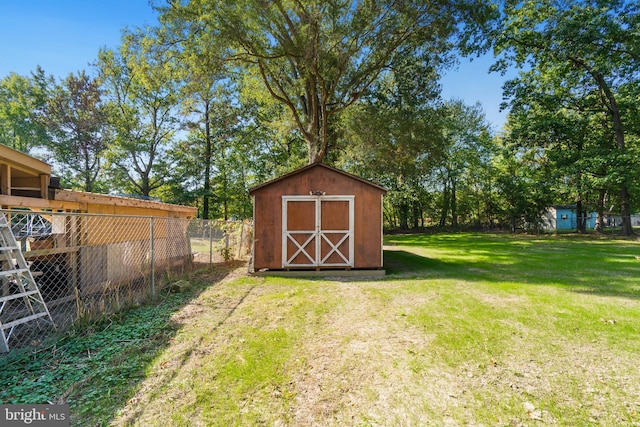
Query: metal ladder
{"type": "Point", "coordinates": [20, 299]}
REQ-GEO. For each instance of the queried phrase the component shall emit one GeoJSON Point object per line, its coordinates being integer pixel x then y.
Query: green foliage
{"type": "Point", "coordinates": [77, 123]}
{"type": "Point", "coordinates": [435, 160]}
{"type": "Point", "coordinates": [317, 58]}
{"type": "Point", "coordinates": [141, 83]}
{"type": "Point", "coordinates": [580, 66]}
{"type": "Point", "coordinates": [523, 182]}
{"type": "Point", "coordinates": [464, 169]}
{"type": "Point", "coordinates": [223, 95]}
{"type": "Point", "coordinates": [206, 84]}
{"type": "Point", "coordinates": [393, 136]}
{"type": "Point", "coordinates": [21, 100]}
{"type": "Point", "coordinates": [93, 368]}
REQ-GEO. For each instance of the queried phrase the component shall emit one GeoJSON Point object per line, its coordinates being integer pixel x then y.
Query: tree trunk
{"type": "Point", "coordinates": [599, 227]}
{"type": "Point", "coordinates": [316, 148]}
{"type": "Point", "coordinates": [314, 155]}
{"type": "Point", "coordinates": [625, 197]}
{"type": "Point", "coordinates": [416, 214]}
{"type": "Point", "coordinates": [580, 220]}
{"type": "Point", "coordinates": [225, 183]}
{"type": "Point", "coordinates": [454, 204]}
{"type": "Point", "coordinates": [445, 206]}
{"type": "Point", "coordinates": [478, 219]}
{"type": "Point", "coordinates": [145, 187]}
{"type": "Point", "coordinates": [394, 221]}
{"type": "Point", "coordinates": [625, 211]}
{"type": "Point", "coordinates": [403, 212]}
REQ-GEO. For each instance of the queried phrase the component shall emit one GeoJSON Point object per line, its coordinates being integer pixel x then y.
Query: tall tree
{"type": "Point", "coordinates": [393, 136]}
{"type": "Point", "coordinates": [562, 127]}
{"type": "Point", "coordinates": [251, 141]}
{"type": "Point", "coordinates": [522, 178]}
{"type": "Point", "coordinates": [318, 57]}
{"type": "Point", "coordinates": [77, 121]}
{"type": "Point", "coordinates": [580, 46]}
{"type": "Point", "coordinates": [204, 77]}
{"type": "Point", "coordinates": [466, 148]}
{"type": "Point", "coordinates": [142, 84]}
{"type": "Point", "coordinates": [202, 155]}
{"type": "Point", "coordinates": [21, 98]}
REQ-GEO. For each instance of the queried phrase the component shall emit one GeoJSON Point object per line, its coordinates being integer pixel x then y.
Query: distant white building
{"type": "Point", "coordinates": [614, 221]}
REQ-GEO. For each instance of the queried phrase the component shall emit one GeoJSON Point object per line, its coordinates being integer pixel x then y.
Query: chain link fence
{"type": "Point", "coordinates": [216, 241]}
{"type": "Point", "coordinates": [89, 265]}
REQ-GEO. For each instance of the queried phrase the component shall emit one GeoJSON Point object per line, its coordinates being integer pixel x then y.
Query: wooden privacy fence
{"type": "Point", "coordinates": [86, 265]}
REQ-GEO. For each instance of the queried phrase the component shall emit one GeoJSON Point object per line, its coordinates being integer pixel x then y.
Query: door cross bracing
{"type": "Point", "coordinates": [317, 231]}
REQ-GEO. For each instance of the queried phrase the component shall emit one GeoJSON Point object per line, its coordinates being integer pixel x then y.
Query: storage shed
{"type": "Point", "coordinates": [317, 218]}
{"type": "Point", "coordinates": [564, 217]}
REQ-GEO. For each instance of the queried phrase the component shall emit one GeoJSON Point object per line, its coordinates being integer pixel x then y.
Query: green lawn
{"type": "Point", "coordinates": [465, 329]}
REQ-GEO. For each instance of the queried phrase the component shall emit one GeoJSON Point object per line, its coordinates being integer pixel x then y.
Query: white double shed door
{"type": "Point", "coordinates": [317, 231]}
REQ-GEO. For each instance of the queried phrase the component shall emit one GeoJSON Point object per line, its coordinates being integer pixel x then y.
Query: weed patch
{"type": "Point", "coordinates": [95, 367]}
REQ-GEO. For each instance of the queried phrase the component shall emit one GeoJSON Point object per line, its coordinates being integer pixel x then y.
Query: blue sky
{"type": "Point", "coordinates": [472, 82]}
{"type": "Point", "coordinates": [64, 36]}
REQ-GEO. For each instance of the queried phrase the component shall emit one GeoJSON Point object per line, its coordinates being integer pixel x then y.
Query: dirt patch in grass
{"type": "Point", "coordinates": [371, 362]}
{"type": "Point", "coordinates": [358, 365]}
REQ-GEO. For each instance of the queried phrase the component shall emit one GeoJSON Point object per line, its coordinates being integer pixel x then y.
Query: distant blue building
{"type": "Point", "coordinates": [564, 217]}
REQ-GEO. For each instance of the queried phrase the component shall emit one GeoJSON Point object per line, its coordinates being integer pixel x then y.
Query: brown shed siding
{"type": "Point", "coordinates": [367, 227]}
